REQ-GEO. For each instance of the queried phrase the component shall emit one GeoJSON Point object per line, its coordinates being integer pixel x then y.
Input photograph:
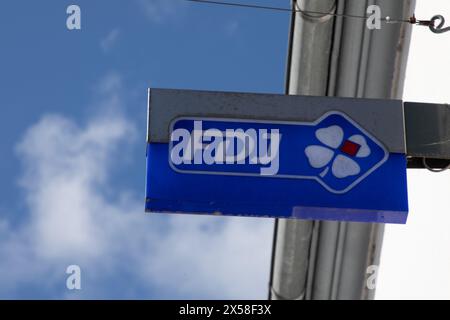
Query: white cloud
{"type": "Point", "coordinates": [415, 261]}
{"type": "Point", "coordinates": [159, 10]}
{"type": "Point", "coordinates": [209, 260]}
{"type": "Point", "coordinates": [108, 42]}
{"type": "Point", "coordinates": [232, 27]}
{"type": "Point", "coordinates": [73, 217]}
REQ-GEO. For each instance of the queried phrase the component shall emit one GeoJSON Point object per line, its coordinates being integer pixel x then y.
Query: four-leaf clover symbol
{"type": "Point", "coordinates": [343, 153]}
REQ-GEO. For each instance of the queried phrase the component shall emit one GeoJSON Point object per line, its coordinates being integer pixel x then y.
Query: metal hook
{"type": "Point", "coordinates": [425, 164]}
{"type": "Point", "coordinates": [438, 28]}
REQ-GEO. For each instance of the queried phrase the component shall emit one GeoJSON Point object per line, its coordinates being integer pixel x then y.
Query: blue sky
{"type": "Point", "coordinates": [46, 68]}
{"type": "Point", "coordinates": [72, 132]}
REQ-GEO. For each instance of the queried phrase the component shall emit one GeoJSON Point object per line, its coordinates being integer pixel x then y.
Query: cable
{"type": "Point", "coordinates": [412, 20]}
{"type": "Point", "coordinates": [254, 6]}
{"type": "Point", "coordinates": [232, 4]}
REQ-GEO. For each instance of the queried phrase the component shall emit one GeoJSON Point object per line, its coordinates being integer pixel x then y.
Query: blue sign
{"type": "Point", "coordinates": [329, 169]}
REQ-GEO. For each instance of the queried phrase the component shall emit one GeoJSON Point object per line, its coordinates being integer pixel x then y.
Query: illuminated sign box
{"type": "Point", "coordinates": [276, 156]}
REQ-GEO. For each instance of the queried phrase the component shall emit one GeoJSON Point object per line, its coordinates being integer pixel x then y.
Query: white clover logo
{"type": "Point", "coordinates": [343, 152]}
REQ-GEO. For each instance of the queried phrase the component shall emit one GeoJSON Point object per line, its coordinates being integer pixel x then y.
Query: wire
{"type": "Point", "coordinates": [254, 6]}
{"type": "Point", "coordinates": [412, 20]}
{"type": "Point", "coordinates": [232, 4]}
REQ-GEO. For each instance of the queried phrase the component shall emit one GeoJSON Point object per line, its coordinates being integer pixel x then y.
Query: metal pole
{"type": "Point", "coordinates": [337, 57]}
{"type": "Point", "coordinates": [292, 239]}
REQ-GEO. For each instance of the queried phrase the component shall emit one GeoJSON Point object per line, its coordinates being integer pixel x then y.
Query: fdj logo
{"type": "Point", "coordinates": [220, 146]}
{"type": "Point", "coordinates": [334, 150]}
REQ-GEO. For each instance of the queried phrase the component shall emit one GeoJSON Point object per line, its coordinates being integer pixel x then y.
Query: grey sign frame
{"type": "Point", "coordinates": [384, 119]}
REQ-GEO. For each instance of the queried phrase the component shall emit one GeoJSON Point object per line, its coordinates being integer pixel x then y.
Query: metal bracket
{"type": "Point", "coordinates": [427, 134]}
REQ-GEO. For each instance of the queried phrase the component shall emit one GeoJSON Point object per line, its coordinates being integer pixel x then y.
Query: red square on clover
{"type": "Point", "coordinates": [351, 148]}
